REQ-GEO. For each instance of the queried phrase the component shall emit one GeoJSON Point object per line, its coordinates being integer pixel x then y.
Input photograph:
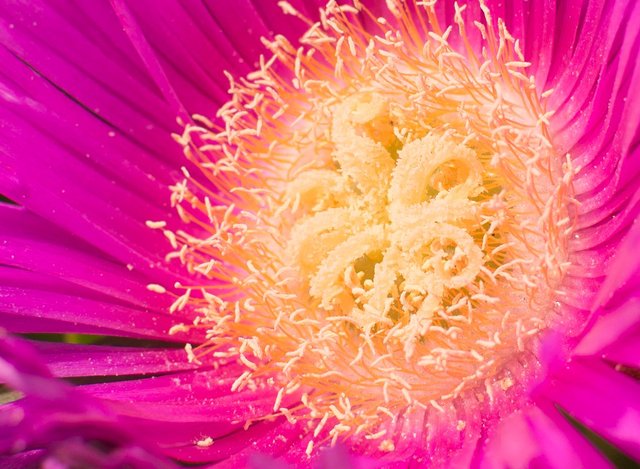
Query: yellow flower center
{"type": "Point", "coordinates": [386, 224]}
{"type": "Point", "coordinates": [393, 232]}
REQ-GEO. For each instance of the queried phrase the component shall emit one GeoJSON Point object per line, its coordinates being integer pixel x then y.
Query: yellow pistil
{"type": "Point", "coordinates": [381, 231]}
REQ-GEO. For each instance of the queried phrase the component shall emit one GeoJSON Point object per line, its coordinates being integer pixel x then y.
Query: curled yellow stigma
{"type": "Point", "coordinates": [386, 221]}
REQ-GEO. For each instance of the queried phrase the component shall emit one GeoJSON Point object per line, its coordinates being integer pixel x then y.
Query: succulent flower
{"type": "Point", "coordinates": [359, 233]}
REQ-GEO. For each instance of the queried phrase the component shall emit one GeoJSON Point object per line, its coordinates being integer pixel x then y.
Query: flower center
{"type": "Point", "coordinates": [398, 231]}
{"type": "Point", "coordinates": [388, 225]}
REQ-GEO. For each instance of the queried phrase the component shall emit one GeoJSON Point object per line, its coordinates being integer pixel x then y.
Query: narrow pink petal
{"type": "Point", "coordinates": [18, 324]}
{"type": "Point", "coordinates": [187, 48]}
{"type": "Point", "coordinates": [35, 297]}
{"type": "Point", "coordinates": [610, 326]}
{"type": "Point", "coordinates": [33, 244]}
{"type": "Point", "coordinates": [112, 85]}
{"type": "Point", "coordinates": [540, 438]}
{"type": "Point", "coordinates": [562, 445]}
{"type": "Point", "coordinates": [193, 396]}
{"type": "Point", "coordinates": [76, 360]}
{"type": "Point", "coordinates": [602, 399]}
{"type": "Point", "coordinates": [236, 447]}
{"type": "Point", "coordinates": [595, 120]}
{"type": "Point", "coordinates": [623, 269]}
{"type": "Point", "coordinates": [625, 351]}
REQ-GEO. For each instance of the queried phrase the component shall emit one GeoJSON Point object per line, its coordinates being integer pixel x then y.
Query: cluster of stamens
{"type": "Point", "coordinates": [386, 222]}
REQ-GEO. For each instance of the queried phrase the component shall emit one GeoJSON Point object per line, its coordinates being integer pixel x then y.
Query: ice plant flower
{"type": "Point", "coordinates": [406, 231]}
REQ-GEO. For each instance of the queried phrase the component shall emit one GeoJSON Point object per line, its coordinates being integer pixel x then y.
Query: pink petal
{"type": "Point", "coordinates": [602, 399]}
{"type": "Point", "coordinates": [76, 360]}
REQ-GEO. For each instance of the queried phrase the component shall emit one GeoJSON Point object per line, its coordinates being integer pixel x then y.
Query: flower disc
{"type": "Point", "coordinates": [388, 230]}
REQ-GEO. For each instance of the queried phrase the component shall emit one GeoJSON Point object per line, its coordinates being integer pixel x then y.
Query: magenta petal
{"type": "Point", "coordinates": [36, 297]}
{"type": "Point", "coordinates": [207, 408]}
{"type": "Point", "coordinates": [186, 48]}
{"type": "Point", "coordinates": [625, 351]}
{"type": "Point", "coordinates": [193, 396]}
{"type": "Point", "coordinates": [597, 122]}
{"type": "Point", "coordinates": [101, 71]}
{"type": "Point", "coordinates": [572, 72]}
{"type": "Point", "coordinates": [561, 444]}
{"type": "Point", "coordinates": [579, 80]}
{"type": "Point", "coordinates": [150, 60]}
{"type": "Point", "coordinates": [179, 434]}
{"type": "Point", "coordinates": [75, 360]}
{"type": "Point", "coordinates": [187, 387]}
{"type": "Point", "coordinates": [33, 244]}
{"type": "Point", "coordinates": [18, 325]}
{"type": "Point", "coordinates": [604, 400]}
{"type": "Point", "coordinates": [27, 459]}
{"type": "Point", "coordinates": [58, 423]}
{"type": "Point", "coordinates": [512, 444]}
{"type": "Point", "coordinates": [609, 327]}
{"type": "Point", "coordinates": [260, 461]}
{"type": "Point", "coordinates": [232, 449]}
{"type": "Point", "coordinates": [16, 356]}
{"type": "Point", "coordinates": [623, 269]}
{"type": "Point", "coordinates": [536, 438]}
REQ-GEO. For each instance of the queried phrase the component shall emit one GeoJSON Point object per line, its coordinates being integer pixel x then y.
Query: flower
{"type": "Point", "coordinates": [409, 233]}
